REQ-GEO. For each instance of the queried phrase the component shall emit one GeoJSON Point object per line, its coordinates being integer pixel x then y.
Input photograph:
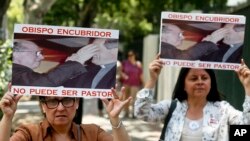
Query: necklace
{"type": "Point", "coordinates": [194, 125]}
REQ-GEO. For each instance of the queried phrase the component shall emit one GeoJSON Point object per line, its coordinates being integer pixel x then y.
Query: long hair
{"type": "Point", "coordinates": [180, 93]}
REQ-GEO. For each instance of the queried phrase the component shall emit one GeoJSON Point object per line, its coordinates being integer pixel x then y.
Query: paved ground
{"type": "Point", "coordinates": [28, 111]}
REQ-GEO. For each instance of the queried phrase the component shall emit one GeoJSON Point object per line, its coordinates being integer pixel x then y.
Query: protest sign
{"type": "Point", "coordinates": [64, 61]}
{"type": "Point", "coordinates": [196, 40]}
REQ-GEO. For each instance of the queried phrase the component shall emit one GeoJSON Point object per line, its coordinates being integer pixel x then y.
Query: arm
{"type": "Point", "coordinates": [144, 107]}
{"type": "Point", "coordinates": [146, 110]}
{"type": "Point", "coordinates": [154, 70]}
{"type": "Point", "coordinates": [8, 105]}
{"type": "Point", "coordinates": [114, 107]}
{"type": "Point", "coordinates": [205, 47]}
{"type": "Point", "coordinates": [244, 75]}
{"type": "Point", "coordinates": [57, 76]}
{"type": "Point", "coordinates": [193, 53]}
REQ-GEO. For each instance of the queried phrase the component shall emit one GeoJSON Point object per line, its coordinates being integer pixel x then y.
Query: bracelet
{"type": "Point", "coordinates": [118, 126]}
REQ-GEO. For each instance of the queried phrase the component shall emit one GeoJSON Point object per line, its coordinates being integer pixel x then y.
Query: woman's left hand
{"type": "Point", "coordinates": [114, 106]}
{"type": "Point", "coordinates": [244, 76]}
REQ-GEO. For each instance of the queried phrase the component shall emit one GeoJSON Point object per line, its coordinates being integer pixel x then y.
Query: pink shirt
{"type": "Point", "coordinates": [133, 71]}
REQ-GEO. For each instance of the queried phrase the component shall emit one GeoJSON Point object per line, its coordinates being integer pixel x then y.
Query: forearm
{"type": "Point", "coordinates": [247, 91]}
{"type": "Point", "coordinates": [150, 84]}
{"type": "Point", "coordinates": [68, 70]}
{"type": "Point", "coordinates": [201, 49]}
{"type": "Point", "coordinates": [119, 131]}
{"type": "Point", "coordinates": [5, 128]}
{"type": "Point", "coordinates": [246, 110]}
{"type": "Point", "coordinates": [142, 105]}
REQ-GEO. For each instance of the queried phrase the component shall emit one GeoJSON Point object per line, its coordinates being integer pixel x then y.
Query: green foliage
{"type": "Point", "coordinates": [134, 18]}
{"type": "Point", "coordinates": [15, 15]}
{"type": "Point", "coordinates": [64, 12]}
{"type": "Point", "coordinates": [5, 65]}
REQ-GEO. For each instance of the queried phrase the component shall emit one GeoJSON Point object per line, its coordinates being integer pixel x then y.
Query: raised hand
{"type": "Point", "coordinates": [115, 105]}
{"type": "Point", "coordinates": [84, 54]}
{"type": "Point", "coordinates": [244, 76]}
{"type": "Point", "coordinates": [8, 104]}
{"type": "Point", "coordinates": [217, 35]}
{"type": "Point", "coordinates": [155, 68]}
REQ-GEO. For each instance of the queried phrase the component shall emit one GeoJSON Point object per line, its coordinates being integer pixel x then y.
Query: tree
{"type": "Point", "coordinates": [134, 18]}
{"type": "Point", "coordinates": [35, 10]}
{"type": "Point", "coordinates": [3, 8]}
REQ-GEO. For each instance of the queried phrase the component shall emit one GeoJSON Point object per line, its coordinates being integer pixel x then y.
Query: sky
{"type": "Point", "coordinates": [234, 2]}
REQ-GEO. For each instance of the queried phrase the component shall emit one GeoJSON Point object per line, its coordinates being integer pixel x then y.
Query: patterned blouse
{"type": "Point", "coordinates": [217, 116]}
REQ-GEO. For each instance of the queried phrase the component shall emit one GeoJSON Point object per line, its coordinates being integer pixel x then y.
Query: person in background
{"type": "Point", "coordinates": [132, 79]}
{"type": "Point", "coordinates": [200, 113]}
{"type": "Point", "coordinates": [58, 122]}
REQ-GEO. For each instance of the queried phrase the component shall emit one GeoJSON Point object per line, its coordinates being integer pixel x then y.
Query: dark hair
{"type": "Point", "coordinates": [133, 52]}
{"type": "Point", "coordinates": [180, 93]}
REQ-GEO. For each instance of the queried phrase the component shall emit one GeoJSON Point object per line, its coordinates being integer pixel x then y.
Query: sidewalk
{"type": "Point", "coordinates": [138, 130]}
{"type": "Point", "coordinates": [29, 112]}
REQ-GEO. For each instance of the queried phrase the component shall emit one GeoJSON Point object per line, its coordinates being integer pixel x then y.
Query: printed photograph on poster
{"type": "Point", "coordinates": [196, 40]}
{"type": "Point", "coordinates": [64, 61]}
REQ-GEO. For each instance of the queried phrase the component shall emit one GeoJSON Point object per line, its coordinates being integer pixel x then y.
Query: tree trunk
{"type": "Point", "coordinates": [3, 8]}
{"type": "Point", "coordinates": [34, 10]}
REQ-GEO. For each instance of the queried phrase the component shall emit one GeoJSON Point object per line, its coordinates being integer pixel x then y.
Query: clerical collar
{"type": "Point", "coordinates": [236, 45]}
{"type": "Point", "coordinates": [110, 65]}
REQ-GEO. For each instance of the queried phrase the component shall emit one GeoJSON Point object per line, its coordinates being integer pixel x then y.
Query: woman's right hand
{"type": "Point", "coordinates": [8, 104]}
{"type": "Point", "coordinates": [154, 70]}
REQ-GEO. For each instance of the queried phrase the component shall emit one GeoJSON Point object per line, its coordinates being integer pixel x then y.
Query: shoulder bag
{"type": "Point", "coordinates": [171, 109]}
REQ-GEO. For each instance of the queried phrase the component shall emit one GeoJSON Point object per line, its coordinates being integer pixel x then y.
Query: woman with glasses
{"type": "Point", "coordinates": [132, 79]}
{"type": "Point", "coordinates": [58, 122]}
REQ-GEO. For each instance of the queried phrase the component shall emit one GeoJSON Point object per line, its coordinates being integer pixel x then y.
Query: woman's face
{"type": "Point", "coordinates": [60, 115]}
{"type": "Point", "coordinates": [197, 83]}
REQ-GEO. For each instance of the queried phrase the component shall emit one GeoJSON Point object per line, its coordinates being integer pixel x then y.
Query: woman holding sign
{"type": "Point", "coordinates": [199, 114]}
{"type": "Point", "coordinates": [58, 123]}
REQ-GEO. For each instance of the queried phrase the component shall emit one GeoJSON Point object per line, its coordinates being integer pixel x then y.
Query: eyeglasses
{"type": "Point", "coordinates": [180, 35]}
{"type": "Point", "coordinates": [111, 43]}
{"type": "Point", "coordinates": [53, 103]}
{"type": "Point", "coordinates": [38, 53]}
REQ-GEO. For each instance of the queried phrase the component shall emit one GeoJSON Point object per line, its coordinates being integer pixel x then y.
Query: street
{"type": "Point", "coordinates": [29, 111]}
